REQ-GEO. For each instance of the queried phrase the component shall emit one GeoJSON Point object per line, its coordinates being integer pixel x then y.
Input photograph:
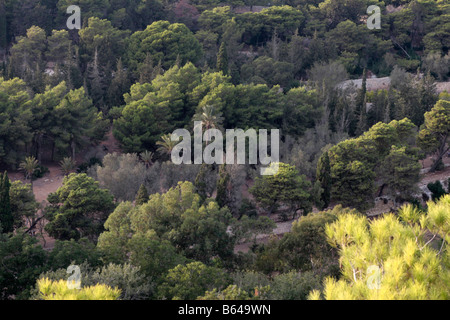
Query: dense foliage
{"type": "Point", "coordinates": [103, 101]}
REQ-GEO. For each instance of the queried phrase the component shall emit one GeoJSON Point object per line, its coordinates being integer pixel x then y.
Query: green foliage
{"type": "Point", "coordinates": [164, 41]}
{"type": "Point", "coordinates": [100, 36]}
{"type": "Point", "coordinates": [15, 116]}
{"type": "Point", "coordinates": [76, 120]}
{"type": "Point", "coordinates": [434, 134]}
{"type": "Point", "coordinates": [7, 215]}
{"type": "Point", "coordinates": [222, 59]}
{"type": "Point", "coordinates": [246, 229]}
{"type": "Point", "coordinates": [22, 262]}
{"type": "Point", "coordinates": [129, 279]}
{"type": "Point", "coordinates": [437, 190]}
{"type": "Point", "coordinates": [157, 108]}
{"type": "Point", "coordinates": [50, 290]}
{"type": "Point", "coordinates": [222, 185]}
{"type": "Point", "coordinates": [141, 196]}
{"type": "Point", "coordinates": [285, 187]}
{"type": "Point", "coordinates": [191, 281]}
{"type": "Point", "coordinates": [71, 214]}
{"type": "Point", "coordinates": [301, 111]}
{"type": "Point", "coordinates": [122, 175]}
{"type": "Point", "coordinates": [305, 247]}
{"type": "Point", "coordinates": [323, 175]}
{"type": "Point", "coordinates": [410, 267]}
{"type": "Point", "coordinates": [160, 233]}
{"type": "Point", "coordinates": [293, 286]}
{"type": "Point", "coordinates": [198, 231]}
{"type": "Point", "coordinates": [259, 27]}
{"type": "Point", "coordinates": [28, 166]}
{"type": "Point", "coordinates": [67, 165]}
{"type": "Point", "coordinates": [401, 171]}
{"type": "Point", "coordinates": [280, 67]}
{"type": "Point", "coordinates": [23, 203]}
{"type": "Point", "coordinates": [85, 166]}
{"type": "Point", "coordinates": [385, 149]}
{"type": "Point", "coordinates": [265, 70]}
{"type": "Point", "coordinates": [232, 292]}
{"type": "Point", "coordinates": [131, 282]}
{"type": "Point", "coordinates": [69, 252]}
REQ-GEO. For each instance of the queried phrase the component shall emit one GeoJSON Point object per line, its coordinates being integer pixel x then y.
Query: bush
{"type": "Point", "coordinates": [437, 190]}
{"type": "Point", "coordinates": [40, 172]}
{"type": "Point", "coordinates": [293, 286]}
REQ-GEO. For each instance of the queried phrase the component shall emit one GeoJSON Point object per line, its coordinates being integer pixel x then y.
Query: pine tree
{"type": "Point", "coordinates": [222, 59]}
{"type": "Point", "coordinates": [6, 216]}
{"type": "Point", "coordinates": [142, 195]}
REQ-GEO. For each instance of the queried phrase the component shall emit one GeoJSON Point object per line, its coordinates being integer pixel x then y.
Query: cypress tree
{"type": "Point", "coordinates": [222, 59]}
{"type": "Point", "coordinates": [6, 216]}
{"type": "Point", "coordinates": [146, 70]}
{"type": "Point", "coordinates": [142, 195]}
{"type": "Point", "coordinates": [323, 175]}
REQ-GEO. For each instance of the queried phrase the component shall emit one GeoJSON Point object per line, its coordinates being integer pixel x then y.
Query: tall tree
{"type": "Point", "coordinates": [76, 120]}
{"type": "Point", "coordinates": [222, 59]}
{"type": "Point", "coordinates": [44, 123]}
{"type": "Point", "coordinates": [323, 175]}
{"type": "Point", "coordinates": [433, 137]}
{"type": "Point", "coordinates": [164, 41]}
{"type": "Point", "coordinates": [146, 70]}
{"type": "Point", "coordinates": [6, 214]}
{"type": "Point", "coordinates": [142, 195]}
{"type": "Point", "coordinates": [15, 118]}
{"type": "Point", "coordinates": [72, 215]}
{"type": "Point", "coordinates": [284, 188]}
{"type": "Point", "coordinates": [119, 85]}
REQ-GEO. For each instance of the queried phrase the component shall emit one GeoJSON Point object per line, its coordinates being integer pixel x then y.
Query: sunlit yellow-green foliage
{"type": "Point", "coordinates": [410, 251]}
{"type": "Point", "coordinates": [58, 290]}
